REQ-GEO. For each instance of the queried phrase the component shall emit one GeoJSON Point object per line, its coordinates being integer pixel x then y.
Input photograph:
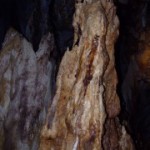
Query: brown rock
{"type": "Point", "coordinates": [84, 109]}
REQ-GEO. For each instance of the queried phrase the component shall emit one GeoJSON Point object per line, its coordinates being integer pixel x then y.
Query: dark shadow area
{"type": "Point", "coordinates": [132, 64]}
{"type": "Point", "coordinates": [34, 18]}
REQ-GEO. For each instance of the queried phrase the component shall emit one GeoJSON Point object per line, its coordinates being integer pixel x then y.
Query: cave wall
{"type": "Point", "coordinates": [132, 63]}
{"type": "Point", "coordinates": [80, 110]}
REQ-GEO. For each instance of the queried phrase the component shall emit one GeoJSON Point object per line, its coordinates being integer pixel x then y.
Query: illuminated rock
{"type": "Point", "coordinates": [83, 114]}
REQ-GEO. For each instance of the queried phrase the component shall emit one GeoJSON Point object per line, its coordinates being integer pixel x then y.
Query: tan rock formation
{"type": "Point", "coordinates": [83, 114]}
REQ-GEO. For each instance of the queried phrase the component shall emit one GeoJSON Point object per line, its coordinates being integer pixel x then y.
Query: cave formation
{"type": "Point", "coordinates": [74, 74]}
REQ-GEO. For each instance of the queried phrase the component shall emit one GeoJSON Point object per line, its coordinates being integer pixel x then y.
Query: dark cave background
{"type": "Point", "coordinates": [34, 18]}
{"type": "Point", "coordinates": [134, 85]}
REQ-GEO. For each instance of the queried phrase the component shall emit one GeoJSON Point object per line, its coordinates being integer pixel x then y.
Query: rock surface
{"type": "Point", "coordinates": [83, 114]}
{"type": "Point", "coordinates": [25, 90]}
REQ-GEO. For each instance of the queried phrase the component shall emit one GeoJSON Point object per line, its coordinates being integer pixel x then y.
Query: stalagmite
{"type": "Point", "coordinates": [25, 90]}
{"type": "Point", "coordinates": [83, 113]}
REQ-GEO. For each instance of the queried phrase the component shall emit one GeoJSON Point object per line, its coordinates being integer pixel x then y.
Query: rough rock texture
{"type": "Point", "coordinates": [83, 113]}
{"type": "Point", "coordinates": [25, 90]}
